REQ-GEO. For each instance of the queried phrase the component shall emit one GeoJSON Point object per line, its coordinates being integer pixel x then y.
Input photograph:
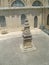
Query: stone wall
{"type": "Point", "coordinates": [13, 18]}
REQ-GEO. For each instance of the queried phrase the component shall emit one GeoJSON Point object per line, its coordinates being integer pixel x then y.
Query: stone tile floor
{"type": "Point", "coordinates": [11, 54]}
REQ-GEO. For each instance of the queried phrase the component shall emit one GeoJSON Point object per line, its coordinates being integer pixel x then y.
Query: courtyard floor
{"type": "Point", "coordinates": [11, 53]}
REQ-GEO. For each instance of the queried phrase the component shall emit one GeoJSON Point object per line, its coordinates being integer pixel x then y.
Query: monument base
{"type": "Point", "coordinates": [27, 46]}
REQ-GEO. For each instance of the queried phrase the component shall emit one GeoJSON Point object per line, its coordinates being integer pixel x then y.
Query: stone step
{"type": "Point", "coordinates": [27, 38]}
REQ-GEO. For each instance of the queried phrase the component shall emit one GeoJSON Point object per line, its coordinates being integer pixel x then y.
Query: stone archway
{"type": "Point", "coordinates": [2, 21]}
{"type": "Point", "coordinates": [48, 19]}
{"type": "Point", "coordinates": [23, 17]}
{"type": "Point", "coordinates": [35, 22]}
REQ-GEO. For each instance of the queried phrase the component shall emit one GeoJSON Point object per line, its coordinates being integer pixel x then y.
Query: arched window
{"type": "Point", "coordinates": [48, 19]}
{"type": "Point", "coordinates": [35, 22]}
{"type": "Point", "coordinates": [17, 3]}
{"type": "Point", "coordinates": [2, 21]}
{"type": "Point", "coordinates": [37, 3]}
{"type": "Point", "coordinates": [23, 17]}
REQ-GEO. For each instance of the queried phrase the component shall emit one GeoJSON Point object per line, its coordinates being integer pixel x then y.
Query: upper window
{"type": "Point", "coordinates": [37, 3]}
{"type": "Point", "coordinates": [17, 3]}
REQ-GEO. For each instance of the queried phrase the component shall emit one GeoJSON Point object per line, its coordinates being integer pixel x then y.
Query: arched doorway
{"type": "Point", "coordinates": [23, 17]}
{"type": "Point", "coordinates": [35, 22]}
{"type": "Point", "coordinates": [17, 3]}
{"type": "Point", "coordinates": [2, 21]}
{"type": "Point", "coordinates": [48, 19]}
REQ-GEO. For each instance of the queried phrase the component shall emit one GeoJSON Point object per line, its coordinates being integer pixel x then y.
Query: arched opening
{"type": "Point", "coordinates": [2, 21]}
{"type": "Point", "coordinates": [35, 22]}
{"type": "Point", "coordinates": [48, 2]}
{"type": "Point", "coordinates": [23, 17]}
{"type": "Point", "coordinates": [17, 3]}
{"type": "Point", "coordinates": [37, 3]}
{"type": "Point", "coordinates": [48, 19]}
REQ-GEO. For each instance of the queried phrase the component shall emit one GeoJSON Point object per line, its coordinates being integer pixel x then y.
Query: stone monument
{"type": "Point", "coordinates": [27, 37]}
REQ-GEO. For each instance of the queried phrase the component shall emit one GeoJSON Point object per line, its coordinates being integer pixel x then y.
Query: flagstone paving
{"type": "Point", "coordinates": [11, 53]}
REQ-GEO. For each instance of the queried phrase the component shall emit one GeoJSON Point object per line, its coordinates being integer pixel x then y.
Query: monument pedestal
{"type": "Point", "coordinates": [27, 44]}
